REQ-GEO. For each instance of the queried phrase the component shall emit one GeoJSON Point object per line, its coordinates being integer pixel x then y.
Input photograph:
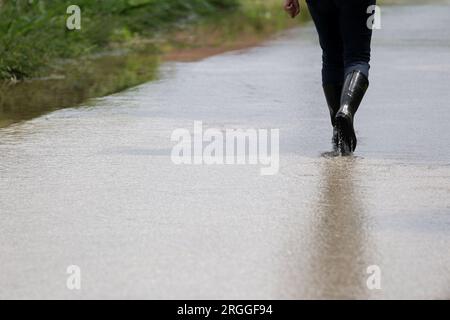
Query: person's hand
{"type": "Point", "coordinates": [292, 7]}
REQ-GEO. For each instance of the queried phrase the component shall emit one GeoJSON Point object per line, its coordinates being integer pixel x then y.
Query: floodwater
{"type": "Point", "coordinates": [95, 186]}
{"type": "Point", "coordinates": [73, 83]}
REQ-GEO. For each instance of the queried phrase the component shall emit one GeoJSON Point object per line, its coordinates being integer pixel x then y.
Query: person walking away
{"type": "Point", "coordinates": [345, 39]}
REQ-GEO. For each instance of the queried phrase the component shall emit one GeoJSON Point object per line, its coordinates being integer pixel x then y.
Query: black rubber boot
{"type": "Point", "coordinates": [333, 93]}
{"type": "Point", "coordinates": [355, 86]}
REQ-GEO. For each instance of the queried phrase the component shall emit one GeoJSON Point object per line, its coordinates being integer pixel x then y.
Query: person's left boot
{"type": "Point", "coordinates": [355, 87]}
{"type": "Point", "coordinates": [333, 93]}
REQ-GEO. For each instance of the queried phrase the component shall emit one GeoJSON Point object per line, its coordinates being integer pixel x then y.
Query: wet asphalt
{"type": "Point", "coordinates": [95, 186]}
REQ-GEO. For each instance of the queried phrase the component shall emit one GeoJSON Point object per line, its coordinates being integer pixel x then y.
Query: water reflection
{"type": "Point", "coordinates": [73, 84]}
{"type": "Point", "coordinates": [340, 237]}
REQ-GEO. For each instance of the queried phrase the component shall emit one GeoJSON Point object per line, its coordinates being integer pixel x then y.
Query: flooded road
{"type": "Point", "coordinates": [95, 186]}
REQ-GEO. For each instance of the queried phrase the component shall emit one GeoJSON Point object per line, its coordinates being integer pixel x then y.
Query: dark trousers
{"type": "Point", "coordinates": [344, 36]}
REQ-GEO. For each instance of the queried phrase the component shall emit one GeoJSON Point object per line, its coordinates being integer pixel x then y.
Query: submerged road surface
{"type": "Point", "coordinates": [95, 186]}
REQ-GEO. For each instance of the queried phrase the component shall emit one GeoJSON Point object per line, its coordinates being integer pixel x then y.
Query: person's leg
{"type": "Point", "coordinates": [356, 36]}
{"type": "Point", "coordinates": [326, 18]}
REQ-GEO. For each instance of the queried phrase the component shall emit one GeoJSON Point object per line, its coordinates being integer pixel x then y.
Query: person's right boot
{"type": "Point", "coordinates": [355, 87]}
{"type": "Point", "coordinates": [333, 93]}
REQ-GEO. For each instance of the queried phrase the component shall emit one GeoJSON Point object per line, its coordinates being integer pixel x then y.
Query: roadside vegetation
{"type": "Point", "coordinates": [33, 33]}
{"type": "Point", "coordinates": [44, 66]}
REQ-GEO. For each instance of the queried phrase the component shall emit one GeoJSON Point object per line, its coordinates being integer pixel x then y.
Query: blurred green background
{"type": "Point", "coordinates": [33, 33]}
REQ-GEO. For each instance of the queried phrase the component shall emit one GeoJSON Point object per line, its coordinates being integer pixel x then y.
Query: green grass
{"type": "Point", "coordinates": [33, 33]}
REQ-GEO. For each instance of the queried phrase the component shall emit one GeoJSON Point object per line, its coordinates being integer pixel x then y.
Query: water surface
{"type": "Point", "coordinates": [95, 186]}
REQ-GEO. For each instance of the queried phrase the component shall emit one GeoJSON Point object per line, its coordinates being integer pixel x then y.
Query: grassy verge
{"type": "Point", "coordinates": [33, 33]}
{"type": "Point", "coordinates": [44, 66]}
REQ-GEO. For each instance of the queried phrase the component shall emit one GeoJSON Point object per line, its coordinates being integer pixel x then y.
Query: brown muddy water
{"type": "Point", "coordinates": [96, 187]}
{"type": "Point", "coordinates": [72, 83]}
